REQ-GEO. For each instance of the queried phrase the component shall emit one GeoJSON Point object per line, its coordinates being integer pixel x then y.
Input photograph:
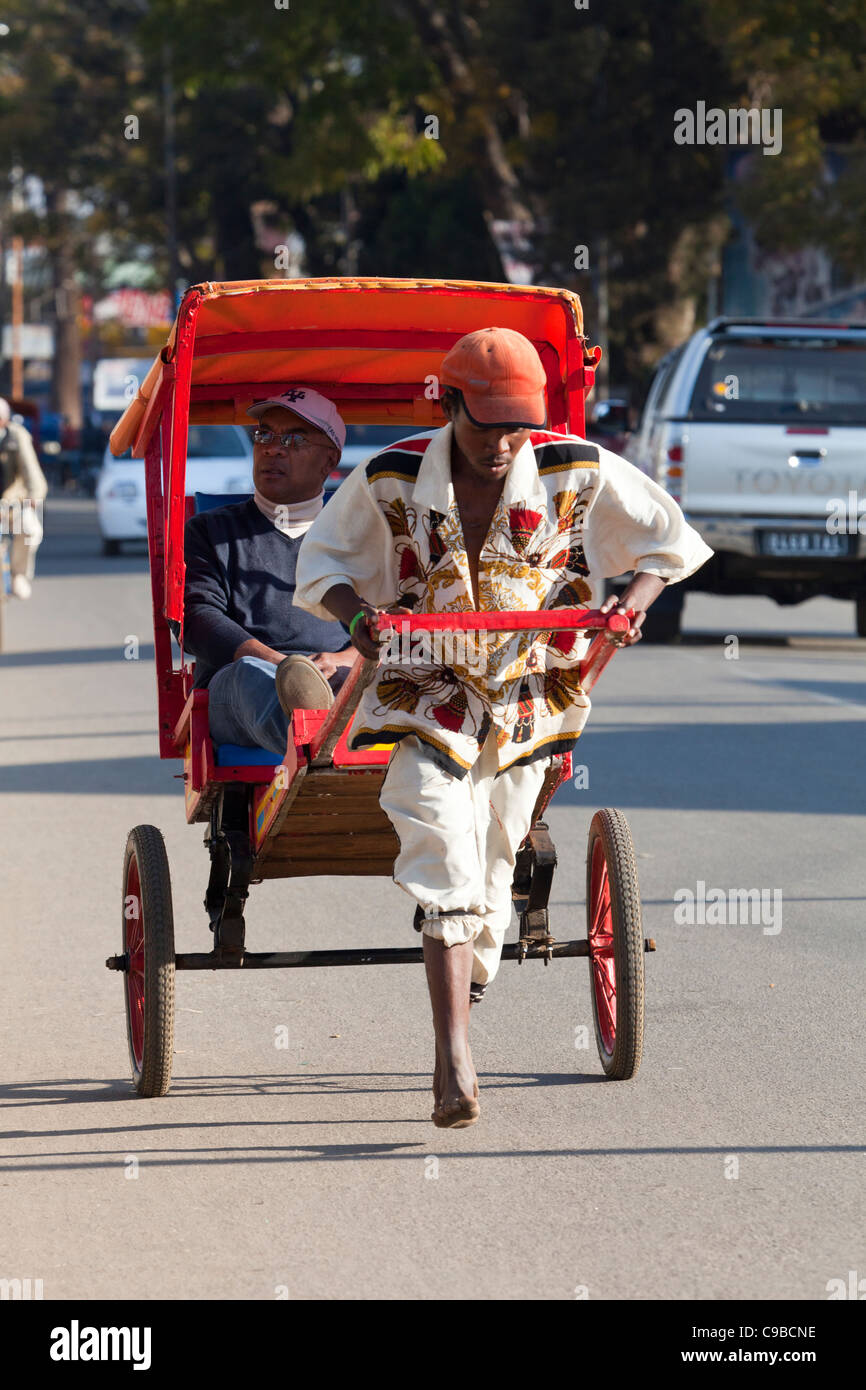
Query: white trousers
{"type": "Point", "coordinates": [458, 842]}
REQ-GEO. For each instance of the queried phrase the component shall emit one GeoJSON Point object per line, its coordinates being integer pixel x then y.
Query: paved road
{"type": "Point", "coordinates": [315, 1171]}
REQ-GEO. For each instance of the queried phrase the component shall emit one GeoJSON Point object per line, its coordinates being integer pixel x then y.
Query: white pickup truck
{"type": "Point", "coordinates": [758, 429]}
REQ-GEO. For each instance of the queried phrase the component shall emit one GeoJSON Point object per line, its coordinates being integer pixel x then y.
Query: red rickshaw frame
{"type": "Point", "coordinates": [365, 344]}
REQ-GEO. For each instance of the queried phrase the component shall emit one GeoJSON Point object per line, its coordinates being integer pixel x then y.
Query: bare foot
{"type": "Point", "coordinates": [456, 1104]}
{"type": "Point", "coordinates": [436, 1071]}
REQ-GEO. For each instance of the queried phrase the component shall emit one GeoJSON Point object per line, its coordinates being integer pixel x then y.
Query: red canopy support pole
{"type": "Point", "coordinates": [175, 506]}
{"type": "Point", "coordinates": [169, 690]}
{"type": "Point", "coordinates": [601, 649]}
{"type": "Point", "coordinates": [574, 388]}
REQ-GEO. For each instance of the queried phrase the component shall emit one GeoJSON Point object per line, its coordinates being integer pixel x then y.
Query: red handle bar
{"type": "Point", "coordinates": [558, 620]}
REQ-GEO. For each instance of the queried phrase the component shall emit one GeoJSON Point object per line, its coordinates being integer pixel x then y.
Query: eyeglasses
{"type": "Point", "coordinates": [288, 441]}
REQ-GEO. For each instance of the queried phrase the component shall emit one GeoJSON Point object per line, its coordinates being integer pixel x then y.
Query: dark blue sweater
{"type": "Point", "coordinates": [240, 580]}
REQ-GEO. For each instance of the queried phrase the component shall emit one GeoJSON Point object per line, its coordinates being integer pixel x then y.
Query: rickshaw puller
{"type": "Point", "coordinates": [492, 512]}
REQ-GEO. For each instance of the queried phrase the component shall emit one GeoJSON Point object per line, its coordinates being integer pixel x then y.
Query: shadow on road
{"type": "Point", "coordinates": [806, 768]}
{"type": "Point", "coordinates": [814, 640]}
{"type": "Point", "coordinates": [810, 768]}
{"type": "Point", "coordinates": [84, 559]}
{"type": "Point", "coordinates": [334, 1153]}
{"type": "Point", "coordinates": [90, 733]}
{"type": "Point", "coordinates": [745, 639]}
{"type": "Point", "coordinates": [73, 656]}
{"type": "Point", "coordinates": [121, 776]}
{"type": "Point", "coordinates": [848, 692]}
{"type": "Point", "coordinates": [81, 1091]}
{"type": "Point", "coordinates": [71, 1091]}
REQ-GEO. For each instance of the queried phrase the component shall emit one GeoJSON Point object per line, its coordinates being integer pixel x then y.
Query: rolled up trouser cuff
{"type": "Point", "coordinates": [453, 928]}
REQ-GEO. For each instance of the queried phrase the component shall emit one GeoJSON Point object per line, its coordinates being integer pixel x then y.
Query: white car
{"type": "Point", "coordinates": [219, 459]}
{"type": "Point", "coordinates": [758, 429]}
{"type": "Point", "coordinates": [362, 442]}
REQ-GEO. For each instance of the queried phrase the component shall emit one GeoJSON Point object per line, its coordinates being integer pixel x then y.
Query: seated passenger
{"type": "Point", "coordinates": [258, 655]}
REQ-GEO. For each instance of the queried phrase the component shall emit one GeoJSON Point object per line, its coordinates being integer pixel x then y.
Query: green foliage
{"type": "Point", "coordinates": [560, 116]}
{"type": "Point", "coordinates": [806, 58]}
{"type": "Point", "coordinates": [433, 226]}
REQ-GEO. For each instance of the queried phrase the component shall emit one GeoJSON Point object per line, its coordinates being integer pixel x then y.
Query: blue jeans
{"type": "Point", "coordinates": [243, 706]}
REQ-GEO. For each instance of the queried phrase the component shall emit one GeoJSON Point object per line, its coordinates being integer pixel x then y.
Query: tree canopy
{"type": "Point", "coordinates": [393, 136]}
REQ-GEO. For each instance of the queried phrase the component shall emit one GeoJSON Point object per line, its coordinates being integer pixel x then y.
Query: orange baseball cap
{"type": "Point", "coordinates": [501, 377]}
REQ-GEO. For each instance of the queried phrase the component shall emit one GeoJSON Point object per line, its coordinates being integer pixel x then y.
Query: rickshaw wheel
{"type": "Point", "coordinates": [148, 942]}
{"type": "Point", "coordinates": [615, 935]}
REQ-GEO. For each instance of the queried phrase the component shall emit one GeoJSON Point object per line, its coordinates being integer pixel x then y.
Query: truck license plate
{"type": "Point", "coordinates": [814, 544]}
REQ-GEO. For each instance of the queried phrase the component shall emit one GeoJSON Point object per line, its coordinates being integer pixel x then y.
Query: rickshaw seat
{"type": "Point", "coordinates": [207, 501]}
{"type": "Point", "coordinates": [237, 755]}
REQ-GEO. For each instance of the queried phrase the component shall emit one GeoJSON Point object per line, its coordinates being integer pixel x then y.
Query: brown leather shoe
{"type": "Point", "coordinates": [301, 685]}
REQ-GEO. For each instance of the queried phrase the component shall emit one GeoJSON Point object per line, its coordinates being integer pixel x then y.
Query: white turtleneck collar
{"type": "Point", "coordinates": [290, 518]}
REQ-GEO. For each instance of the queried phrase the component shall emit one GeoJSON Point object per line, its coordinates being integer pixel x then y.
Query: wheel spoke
{"type": "Point", "coordinates": [606, 994]}
{"type": "Point", "coordinates": [135, 988]}
{"type": "Point", "coordinates": [601, 902]}
{"type": "Point", "coordinates": [601, 948]}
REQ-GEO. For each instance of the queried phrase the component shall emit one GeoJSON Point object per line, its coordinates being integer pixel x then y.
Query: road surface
{"type": "Point", "coordinates": [731, 1167]}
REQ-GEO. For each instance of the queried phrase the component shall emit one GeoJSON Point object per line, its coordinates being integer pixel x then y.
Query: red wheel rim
{"type": "Point", "coordinates": [134, 934]}
{"type": "Point", "coordinates": [601, 948]}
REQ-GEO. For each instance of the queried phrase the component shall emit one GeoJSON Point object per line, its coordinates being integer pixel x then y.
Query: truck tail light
{"type": "Point", "coordinates": [671, 472]}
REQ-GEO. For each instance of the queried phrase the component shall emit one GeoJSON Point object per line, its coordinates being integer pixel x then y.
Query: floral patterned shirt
{"type": "Point", "coordinates": [571, 514]}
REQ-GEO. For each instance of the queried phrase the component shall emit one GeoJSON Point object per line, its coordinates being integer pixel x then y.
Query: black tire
{"type": "Point", "coordinates": [148, 940]}
{"type": "Point", "coordinates": [861, 615]}
{"type": "Point", "coordinates": [621, 942]}
{"type": "Point", "coordinates": [110, 548]}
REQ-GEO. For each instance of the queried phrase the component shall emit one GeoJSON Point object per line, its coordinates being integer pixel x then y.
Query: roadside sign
{"type": "Point", "coordinates": [116, 381]}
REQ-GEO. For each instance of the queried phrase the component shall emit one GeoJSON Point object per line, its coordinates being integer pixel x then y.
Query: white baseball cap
{"type": "Point", "coordinates": [318, 410]}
